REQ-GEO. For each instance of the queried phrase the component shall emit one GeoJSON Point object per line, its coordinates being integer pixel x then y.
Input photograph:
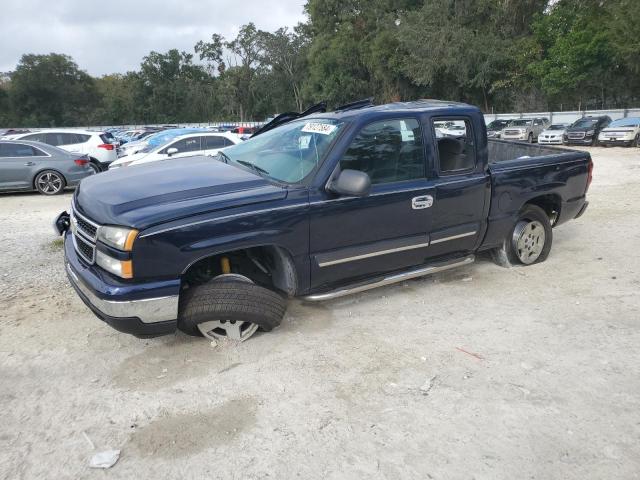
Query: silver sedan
{"type": "Point", "coordinates": [26, 165]}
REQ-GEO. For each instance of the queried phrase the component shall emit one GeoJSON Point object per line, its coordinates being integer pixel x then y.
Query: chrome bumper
{"type": "Point", "coordinates": [148, 310]}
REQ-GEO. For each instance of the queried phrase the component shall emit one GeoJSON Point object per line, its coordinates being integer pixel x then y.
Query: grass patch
{"type": "Point", "coordinates": [57, 244]}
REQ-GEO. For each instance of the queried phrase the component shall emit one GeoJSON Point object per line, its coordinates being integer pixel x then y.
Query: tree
{"type": "Point", "coordinates": [285, 53]}
{"type": "Point", "coordinates": [51, 90]}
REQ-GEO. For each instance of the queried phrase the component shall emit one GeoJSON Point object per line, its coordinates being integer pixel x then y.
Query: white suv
{"type": "Point", "coordinates": [187, 145]}
{"type": "Point", "coordinates": [97, 145]}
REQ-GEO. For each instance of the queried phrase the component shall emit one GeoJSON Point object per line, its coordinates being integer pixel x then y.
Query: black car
{"type": "Point", "coordinates": [495, 127]}
{"type": "Point", "coordinates": [585, 130]}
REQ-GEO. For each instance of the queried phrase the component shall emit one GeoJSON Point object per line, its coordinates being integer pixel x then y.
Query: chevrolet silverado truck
{"type": "Point", "coordinates": [315, 205]}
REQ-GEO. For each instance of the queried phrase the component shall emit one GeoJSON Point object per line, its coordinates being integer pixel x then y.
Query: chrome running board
{"type": "Point", "coordinates": [397, 277]}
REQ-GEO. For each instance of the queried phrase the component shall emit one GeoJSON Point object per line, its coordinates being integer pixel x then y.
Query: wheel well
{"type": "Point", "coordinates": [33, 180]}
{"type": "Point", "coordinates": [269, 266]}
{"type": "Point", "coordinates": [551, 204]}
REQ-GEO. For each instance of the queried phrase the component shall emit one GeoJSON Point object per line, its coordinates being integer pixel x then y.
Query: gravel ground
{"type": "Point", "coordinates": [478, 373]}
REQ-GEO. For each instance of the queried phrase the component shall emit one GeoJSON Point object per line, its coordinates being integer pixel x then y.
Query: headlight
{"type": "Point", "coordinates": [590, 132]}
{"type": "Point", "coordinates": [118, 237]}
{"type": "Point", "coordinates": [121, 268]}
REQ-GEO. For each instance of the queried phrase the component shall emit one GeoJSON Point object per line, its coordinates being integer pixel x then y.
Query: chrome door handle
{"type": "Point", "coordinates": [424, 201]}
{"type": "Point", "coordinates": [30, 164]}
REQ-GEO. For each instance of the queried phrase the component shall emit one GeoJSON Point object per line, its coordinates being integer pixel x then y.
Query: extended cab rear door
{"type": "Point", "coordinates": [462, 188]}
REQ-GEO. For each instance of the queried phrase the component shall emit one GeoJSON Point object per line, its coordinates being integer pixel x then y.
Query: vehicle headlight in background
{"type": "Point", "coordinates": [121, 268]}
{"type": "Point", "coordinates": [118, 237]}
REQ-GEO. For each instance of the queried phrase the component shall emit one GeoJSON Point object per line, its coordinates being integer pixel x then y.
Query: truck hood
{"type": "Point", "coordinates": [154, 193]}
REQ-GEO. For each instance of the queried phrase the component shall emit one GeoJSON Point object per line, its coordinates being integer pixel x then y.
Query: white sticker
{"type": "Point", "coordinates": [323, 128]}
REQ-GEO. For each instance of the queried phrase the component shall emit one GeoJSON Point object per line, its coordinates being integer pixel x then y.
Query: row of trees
{"type": "Point", "coordinates": [502, 55]}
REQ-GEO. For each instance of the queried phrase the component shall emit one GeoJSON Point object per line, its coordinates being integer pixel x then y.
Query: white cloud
{"type": "Point", "coordinates": [109, 37]}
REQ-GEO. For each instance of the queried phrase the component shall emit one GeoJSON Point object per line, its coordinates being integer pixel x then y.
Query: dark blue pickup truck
{"type": "Point", "coordinates": [323, 205]}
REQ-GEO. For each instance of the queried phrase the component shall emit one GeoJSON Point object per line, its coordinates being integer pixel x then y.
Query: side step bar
{"type": "Point", "coordinates": [397, 277]}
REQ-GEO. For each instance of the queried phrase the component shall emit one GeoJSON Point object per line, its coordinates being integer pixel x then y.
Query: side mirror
{"type": "Point", "coordinates": [172, 151]}
{"type": "Point", "coordinates": [351, 182]}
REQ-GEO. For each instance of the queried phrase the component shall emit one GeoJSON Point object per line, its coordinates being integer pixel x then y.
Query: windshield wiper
{"type": "Point", "coordinates": [252, 166]}
{"type": "Point", "coordinates": [225, 158]}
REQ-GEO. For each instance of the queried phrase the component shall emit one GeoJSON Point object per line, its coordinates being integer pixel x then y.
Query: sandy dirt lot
{"type": "Point", "coordinates": [478, 373]}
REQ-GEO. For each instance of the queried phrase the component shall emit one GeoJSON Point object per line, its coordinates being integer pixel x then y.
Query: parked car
{"type": "Point", "coordinates": [321, 206]}
{"type": "Point", "coordinates": [625, 131]}
{"type": "Point", "coordinates": [450, 129]}
{"type": "Point", "coordinates": [200, 143]}
{"type": "Point", "coordinates": [494, 129]}
{"type": "Point", "coordinates": [524, 129]}
{"type": "Point", "coordinates": [26, 165]}
{"type": "Point", "coordinates": [585, 131]}
{"type": "Point", "coordinates": [553, 134]}
{"type": "Point", "coordinates": [97, 145]}
{"type": "Point", "coordinates": [155, 140]}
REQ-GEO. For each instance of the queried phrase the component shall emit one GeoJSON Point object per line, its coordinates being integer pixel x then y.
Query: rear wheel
{"type": "Point", "coordinates": [50, 182]}
{"type": "Point", "coordinates": [229, 306]}
{"type": "Point", "coordinates": [529, 241]}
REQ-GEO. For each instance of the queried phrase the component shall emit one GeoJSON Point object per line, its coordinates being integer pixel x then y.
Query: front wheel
{"type": "Point", "coordinates": [636, 142]}
{"type": "Point", "coordinates": [233, 308]}
{"type": "Point", "coordinates": [529, 241]}
{"type": "Point", "coordinates": [95, 167]}
{"type": "Point", "coordinates": [530, 140]}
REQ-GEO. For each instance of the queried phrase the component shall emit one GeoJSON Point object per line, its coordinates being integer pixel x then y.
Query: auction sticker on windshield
{"type": "Point", "coordinates": [323, 128]}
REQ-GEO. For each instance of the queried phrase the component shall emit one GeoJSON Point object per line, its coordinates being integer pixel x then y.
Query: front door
{"type": "Point", "coordinates": [16, 164]}
{"type": "Point", "coordinates": [385, 231]}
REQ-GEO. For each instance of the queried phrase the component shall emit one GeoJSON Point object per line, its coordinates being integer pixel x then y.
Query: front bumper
{"type": "Point", "coordinates": [617, 142]}
{"type": "Point", "coordinates": [550, 141]}
{"type": "Point", "coordinates": [142, 309]}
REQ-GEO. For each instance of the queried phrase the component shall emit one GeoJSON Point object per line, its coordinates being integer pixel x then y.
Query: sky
{"type": "Point", "coordinates": [112, 37]}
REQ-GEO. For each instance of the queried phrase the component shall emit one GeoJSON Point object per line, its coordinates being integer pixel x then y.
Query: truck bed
{"type": "Point", "coordinates": [553, 178]}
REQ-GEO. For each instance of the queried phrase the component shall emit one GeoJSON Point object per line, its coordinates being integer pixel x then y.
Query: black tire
{"type": "Point", "coordinates": [230, 300]}
{"type": "Point", "coordinates": [50, 182]}
{"type": "Point", "coordinates": [636, 143]}
{"type": "Point", "coordinates": [530, 139]}
{"type": "Point", "coordinates": [95, 167]}
{"type": "Point", "coordinates": [507, 255]}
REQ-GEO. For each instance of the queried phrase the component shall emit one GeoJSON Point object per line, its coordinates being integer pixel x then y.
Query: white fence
{"type": "Point", "coordinates": [566, 117]}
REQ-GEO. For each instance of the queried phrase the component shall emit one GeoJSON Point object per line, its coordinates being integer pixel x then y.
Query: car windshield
{"type": "Point", "coordinates": [521, 123]}
{"type": "Point", "coordinates": [288, 153]}
{"type": "Point", "coordinates": [557, 126]}
{"type": "Point", "coordinates": [585, 122]}
{"type": "Point", "coordinates": [497, 124]}
{"type": "Point", "coordinates": [625, 122]}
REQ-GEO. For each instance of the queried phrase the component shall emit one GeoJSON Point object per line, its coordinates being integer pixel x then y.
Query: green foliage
{"type": "Point", "coordinates": [499, 54]}
{"type": "Point", "coordinates": [51, 90]}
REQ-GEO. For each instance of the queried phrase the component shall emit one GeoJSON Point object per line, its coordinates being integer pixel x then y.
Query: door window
{"type": "Point", "coordinates": [455, 146]}
{"type": "Point", "coordinates": [388, 151]}
{"type": "Point", "coordinates": [185, 145]}
{"type": "Point", "coordinates": [214, 142]}
{"type": "Point", "coordinates": [16, 150]}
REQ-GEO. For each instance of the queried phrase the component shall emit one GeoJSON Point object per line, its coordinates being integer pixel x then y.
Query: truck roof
{"type": "Point", "coordinates": [452, 108]}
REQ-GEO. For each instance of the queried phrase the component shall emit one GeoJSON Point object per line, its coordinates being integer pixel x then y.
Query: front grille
{"type": "Point", "coordinates": [512, 132]}
{"type": "Point", "coordinates": [576, 135]}
{"type": "Point", "coordinates": [87, 228]}
{"type": "Point", "coordinates": [85, 233]}
{"type": "Point", "coordinates": [86, 250]}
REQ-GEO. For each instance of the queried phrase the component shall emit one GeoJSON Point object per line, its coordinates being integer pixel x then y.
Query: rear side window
{"type": "Point", "coordinates": [388, 151]}
{"type": "Point", "coordinates": [36, 137]}
{"type": "Point", "coordinates": [214, 142]}
{"type": "Point", "coordinates": [17, 150]}
{"type": "Point", "coordinates": [455, 146]}
{"type": "Point", "coordinates": [81, 137]}
{"type": "Point", "coordinates": [185, 145]}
